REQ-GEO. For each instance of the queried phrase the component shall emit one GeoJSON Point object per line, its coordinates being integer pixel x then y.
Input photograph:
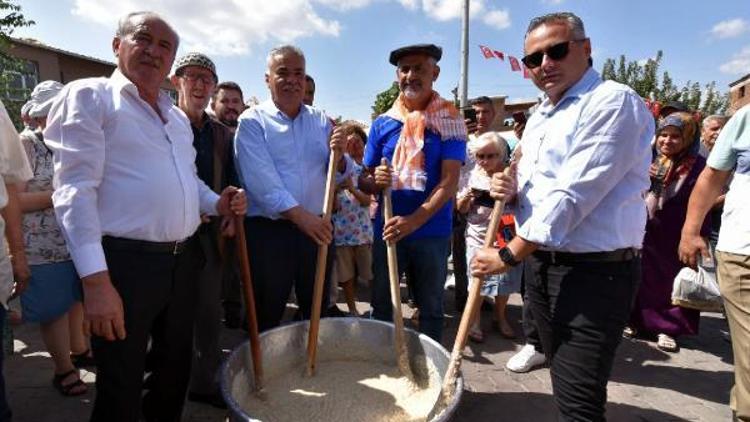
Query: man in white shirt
{"type": "Point", "coordinates": [580, 212]}
{"type": "Point", "coordinates": [129, 200]}
{"type": "Point", "coordinates": [14, 270]}
{"type": "Point", "coordinates": [730, 157]}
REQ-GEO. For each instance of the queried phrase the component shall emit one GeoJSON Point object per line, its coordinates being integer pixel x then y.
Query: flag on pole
{"type": "Point", "coordinates": [486, 52]}
{"type": "Point", "coordinates": [499, 54]}
{"type": "Point", "coordinates": [514, 65]}
{"type": "Point", "coordinates": [526, 73]}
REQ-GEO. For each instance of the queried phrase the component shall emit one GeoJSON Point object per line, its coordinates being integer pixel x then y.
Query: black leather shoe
{"type": "Point", "coordinates": [214, 400]}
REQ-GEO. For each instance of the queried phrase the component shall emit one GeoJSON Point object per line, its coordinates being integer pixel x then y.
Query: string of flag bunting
{"type": "Point", "coordinates": [515, 64]}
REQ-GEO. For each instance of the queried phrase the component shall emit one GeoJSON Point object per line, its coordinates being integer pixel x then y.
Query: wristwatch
{"type": "Point", "coordinates": [506, 255]}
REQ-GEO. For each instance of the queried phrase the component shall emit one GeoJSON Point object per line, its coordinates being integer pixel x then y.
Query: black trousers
{"type": "Point", "coordinates": [460, 266]}
{"type": "Point", "coordinates": [281, 256]}
{"type": "Point", "coordinates": [580, 311]}
{"type": "Point", "coordinates": [530, 331]}
{"type": "Point", "coordinates": [158, 296]}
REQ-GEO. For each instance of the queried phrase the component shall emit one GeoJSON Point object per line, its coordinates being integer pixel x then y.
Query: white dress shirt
{"type": "Point", "coordinates": [584, 169]}
{"type": "Point", "coordinates": [120, 170]}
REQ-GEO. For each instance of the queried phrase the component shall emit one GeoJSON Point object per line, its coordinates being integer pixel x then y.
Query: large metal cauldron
{"type": "Point", "coordinates": [284, 349]}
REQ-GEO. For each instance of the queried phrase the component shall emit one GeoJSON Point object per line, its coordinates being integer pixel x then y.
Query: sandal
{"type": "Point", "coordinates": [83, 360]}
{"type": "Point", "coordinates": [629, 332]}
{"type": "Point", "coordinates": [509, 333]}
{"type": "Point", "coordinates": [666, 343]}
{"type": "Point", "coordinates": [476, 335]}
{"type": "Point", "coordinates": [72, 389]}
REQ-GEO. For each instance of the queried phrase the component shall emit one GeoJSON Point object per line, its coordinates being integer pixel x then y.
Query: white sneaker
{"type": "Point", "coordinates": [525, 360]}
{"type": "Point", "coordinates": [450, 282]}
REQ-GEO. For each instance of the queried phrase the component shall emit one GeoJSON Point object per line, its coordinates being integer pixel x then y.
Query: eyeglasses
{"type": "Point", "coordinates": [555, 52]}
{"type": "Point", "coordinates": [487, 156]}
{"type": "Point", "coordinates": [203, 77]}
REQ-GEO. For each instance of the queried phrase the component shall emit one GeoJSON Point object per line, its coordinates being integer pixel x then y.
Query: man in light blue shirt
{"type": "Point", "coordinates": [580, 212]}
{"type": "Point", "coordinates": [282, 150]}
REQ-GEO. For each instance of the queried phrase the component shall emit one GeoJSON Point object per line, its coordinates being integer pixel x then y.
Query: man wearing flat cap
{"type": "Point", "coordinates": [129, 201]}
{"type": "Point", "coordinates": [195, 80]}
{"type": "Point", "coordinates": [423, 137]}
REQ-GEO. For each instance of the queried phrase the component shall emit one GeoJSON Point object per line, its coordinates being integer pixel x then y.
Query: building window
{"type": "Point", "coordinates": [741, 92]}
{"type": "Point", "coordinates": [20, 82]}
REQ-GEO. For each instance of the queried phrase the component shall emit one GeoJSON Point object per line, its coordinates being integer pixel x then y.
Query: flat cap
{"type": "Point", "coordinates": [429, 49]}
{"type": "Point", "coordinates": [195, 59]}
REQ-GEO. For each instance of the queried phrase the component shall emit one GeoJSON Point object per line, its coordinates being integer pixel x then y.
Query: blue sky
{"type": "Point", "coordinates": [347, 42]}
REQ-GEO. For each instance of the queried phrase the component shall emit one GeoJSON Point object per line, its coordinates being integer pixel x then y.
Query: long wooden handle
{"type": "Point", "coordinates": [320, 267]}
{"type": "Point", "coordinates": [247, 287]}
{"type": "Point", "coordinates": [402, 356]}
{"type": "Point", "coordinates": [472, 305]}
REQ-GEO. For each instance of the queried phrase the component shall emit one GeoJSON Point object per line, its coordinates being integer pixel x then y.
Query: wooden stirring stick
{"type": "Point", "coordinates": [320, 268]}
{"type": "Point", "coordinates": [399, 336]}
{"type": "Point", "coordinates": [247, 287]}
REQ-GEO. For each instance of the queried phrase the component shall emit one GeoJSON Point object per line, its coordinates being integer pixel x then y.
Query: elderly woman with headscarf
{"type": "Point", "coordinates": [674, 171]}
{"type": "Point", "coordinates": [53, 297]}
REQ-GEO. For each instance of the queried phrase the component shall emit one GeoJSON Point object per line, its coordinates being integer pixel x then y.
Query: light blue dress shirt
{"type": "Point", "coordinates": [282, 162]}
{"type": "Point", "coordinates": [584, 169]}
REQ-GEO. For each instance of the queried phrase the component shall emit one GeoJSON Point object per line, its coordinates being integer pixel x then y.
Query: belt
{"type": "Point", "coordinates": [133, 245]}
{"type": "Point", "coordinates": [618, 255]}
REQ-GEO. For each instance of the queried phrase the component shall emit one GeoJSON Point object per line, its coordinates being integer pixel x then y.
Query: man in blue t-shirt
{"type": "Point", "coordinates": [423, 138]}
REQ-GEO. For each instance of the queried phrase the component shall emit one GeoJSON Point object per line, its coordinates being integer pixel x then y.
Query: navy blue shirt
{"type": "Point", "coordinates": [381, 142]}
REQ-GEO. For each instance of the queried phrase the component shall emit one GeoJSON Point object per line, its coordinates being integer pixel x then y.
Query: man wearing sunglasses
{"type": "Point", "coordinates": [580, 212]}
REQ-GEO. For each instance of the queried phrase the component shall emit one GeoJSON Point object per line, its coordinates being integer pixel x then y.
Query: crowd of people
{"type": "Point", "coordinates": [119, 206]}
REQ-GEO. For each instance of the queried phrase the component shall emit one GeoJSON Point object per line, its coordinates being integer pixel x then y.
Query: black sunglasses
{"type": "Point", "coordinates": [555, 52]}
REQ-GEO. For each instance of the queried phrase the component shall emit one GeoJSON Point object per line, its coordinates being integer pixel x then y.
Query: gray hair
{"type": "Point", "coordinates": [574, 23]}
{"type": "Point", "coordinates": [487, 138]}
{"type": "Point", "coordinates": [126, 27]}
{"type": "Point", "coordinates": [283, 50]}
{"type": "Point", "coordinates": [715, 117]}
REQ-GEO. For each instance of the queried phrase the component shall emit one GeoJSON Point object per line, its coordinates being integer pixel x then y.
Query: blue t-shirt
{"type": "Point", "coordinates": [381, 142]}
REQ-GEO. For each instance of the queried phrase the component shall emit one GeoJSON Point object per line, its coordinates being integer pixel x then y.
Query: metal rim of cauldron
{"type": "Point", "coordinates": [236, 410]}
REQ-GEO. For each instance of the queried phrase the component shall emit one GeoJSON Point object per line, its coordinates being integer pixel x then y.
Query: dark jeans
{"type": "Point", "coordinates": [5, 413]}
{"type": "Point", "coordinates": [530, 331]}
{"type": "Point", "coordinates": [425, 262]}
{"type": "Point", "coordinates": [580, 311]}
{"type": "Point", "coordinates": [281, 256]}
{"type": "Point", "coordinates": [158, 297]}
{"type": "Point", "coordinates": [460, 270]}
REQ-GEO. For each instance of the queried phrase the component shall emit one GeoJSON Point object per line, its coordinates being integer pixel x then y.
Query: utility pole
{"type": "Point", "coordinates": [463, 87]}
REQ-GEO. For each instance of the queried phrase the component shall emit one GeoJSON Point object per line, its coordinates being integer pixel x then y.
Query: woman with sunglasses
{"type": "Point", "coordinates": [490, 152]}
{"type": "Point", "coordinates": [674, 171]}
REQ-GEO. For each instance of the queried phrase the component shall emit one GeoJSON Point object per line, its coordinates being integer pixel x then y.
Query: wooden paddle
{"type": "Point", "coordinates": [472, 306]}
{"type": "Point", "coordinates": [320, 267]}
{"type": "Point", "coordinates": [247, 287]}
{"type": "Point", "coordinates": [402, 356]}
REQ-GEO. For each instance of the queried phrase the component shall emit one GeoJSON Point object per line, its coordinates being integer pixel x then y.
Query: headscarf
{"type": "Point", "coordinates": [671, 171]}
{"type": "Point", "coordinates": [440, 116]}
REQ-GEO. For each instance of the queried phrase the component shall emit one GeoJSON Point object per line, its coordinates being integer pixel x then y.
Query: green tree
{"type": "Point", "coordinates": [644, 80]}
{"type": "Point", "coordinates": [384, 100]}
{"type": "Point", "coordinates": [11, 18]}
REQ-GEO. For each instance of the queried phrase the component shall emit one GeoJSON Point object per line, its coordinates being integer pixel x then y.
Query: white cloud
{"type": "Point", "coordinates": [739, 64]}
{"type": "Point", "coordinates": [235, 27]}
{"type": "Point", "coordinates": [553, 2]}
{"type": "Point", "coordinates": [223, 27]}
{"type": "Point", "coordinates": [730, 28]}
{"type": "Point", "coordinates": [444, 10]}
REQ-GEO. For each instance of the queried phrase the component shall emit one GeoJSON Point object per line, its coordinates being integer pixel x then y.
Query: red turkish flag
{"type": "Point", "coordinates": [499, 54]}
{"type": "Point", "coordinates": [514, 65]}
{"type": "Point", "coordinates": [486, 52]}
{"type": "Point", "coordinates": [526, 73]}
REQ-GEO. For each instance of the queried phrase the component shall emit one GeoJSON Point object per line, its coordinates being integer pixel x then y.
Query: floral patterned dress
{"type": "Point", "coordinates": [351, 222]}
{"type": "Point", "coordinates": [42, 236]}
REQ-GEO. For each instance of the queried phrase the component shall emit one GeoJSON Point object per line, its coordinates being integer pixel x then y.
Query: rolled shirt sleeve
{"type": "Point", "coordinates": [75, 134]}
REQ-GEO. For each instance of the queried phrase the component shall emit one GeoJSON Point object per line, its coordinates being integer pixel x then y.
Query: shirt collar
{"type": "Point", "coordinates": [269, 107]}
{"type": "Point", "coordinates": [589, 78]}
{"type": "Point", "coordinates": [122, 83]}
